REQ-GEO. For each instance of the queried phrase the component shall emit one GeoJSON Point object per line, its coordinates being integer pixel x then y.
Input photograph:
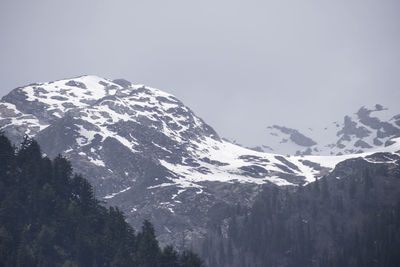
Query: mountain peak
{"type": "Point", "coordinates": [370, 128]}
{"type": "Point", "coordinates": [82, 116]}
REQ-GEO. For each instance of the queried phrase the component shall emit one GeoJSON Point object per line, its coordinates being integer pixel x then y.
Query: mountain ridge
{"type": "Point", "coordinates": [144, 151]}
{"type": "Point", "coordinates": [368, 128]}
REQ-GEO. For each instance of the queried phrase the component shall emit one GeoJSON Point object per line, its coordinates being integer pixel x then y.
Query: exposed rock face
{"type": "Point", "coordinates": [296, 137]}
{"type": "Point", "coordinates": [350, 128]}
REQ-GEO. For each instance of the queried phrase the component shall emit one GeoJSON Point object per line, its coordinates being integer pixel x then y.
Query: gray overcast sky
{"type": "Point", "coordinates": [240, 65]}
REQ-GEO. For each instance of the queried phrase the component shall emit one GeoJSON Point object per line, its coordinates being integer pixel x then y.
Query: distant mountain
{"type": "Point", "coordinates": [144, 151]}
{"type": "Point", "coordinates": [367, 130]}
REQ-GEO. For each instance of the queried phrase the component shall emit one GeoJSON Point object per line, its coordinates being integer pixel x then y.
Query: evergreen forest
{"type": "Point", "coordinates": [349, 218]}
{"type": "Point", "coordinates": [50, 217]}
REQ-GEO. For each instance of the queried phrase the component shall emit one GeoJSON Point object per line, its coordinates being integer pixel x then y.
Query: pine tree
{"type": "Point", "coordinates": [189, 259]}
{"type": "Point", "coordinates": [169, 257]}
{"type": "Point", "coordinates": [148, 250]}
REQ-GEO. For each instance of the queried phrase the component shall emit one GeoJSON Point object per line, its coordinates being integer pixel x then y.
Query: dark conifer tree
{"type": "Point", "coordinates": [148, 250]}
{"type": "Point", "coordinates": [189, 259]}
{"type": "Point", "coordinates": [169, 257]}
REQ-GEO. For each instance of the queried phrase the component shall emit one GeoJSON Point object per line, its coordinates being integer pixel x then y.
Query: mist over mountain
{"type": "Point", "coordinates": [147, 153]}
{"type": "Point", "coordinates": [199, 133]}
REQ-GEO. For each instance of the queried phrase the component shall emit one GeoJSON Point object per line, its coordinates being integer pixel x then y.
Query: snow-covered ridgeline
{"type": "Point", "coordinates": [156, 125]}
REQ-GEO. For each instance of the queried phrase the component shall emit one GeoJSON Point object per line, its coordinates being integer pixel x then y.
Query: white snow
{"type": "Point", "coordinates": [114, 194]}
{"type": "Point", "coordinates": [230, 153]}
{"type": "Point", "coordinates": [97, 162]}
{"type": "Point", "coordinates": [20, 119]}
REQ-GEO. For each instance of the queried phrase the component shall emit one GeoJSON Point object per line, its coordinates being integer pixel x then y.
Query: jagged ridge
{"type": "Point", "coordinates": [368, 129]}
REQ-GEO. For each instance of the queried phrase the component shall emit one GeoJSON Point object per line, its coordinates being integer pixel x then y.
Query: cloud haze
{"type": "Point", "coordinates": [240, 65]}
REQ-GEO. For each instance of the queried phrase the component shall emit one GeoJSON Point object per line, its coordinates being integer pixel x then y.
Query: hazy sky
{"type": "Point", "coordinates": [240, 65]}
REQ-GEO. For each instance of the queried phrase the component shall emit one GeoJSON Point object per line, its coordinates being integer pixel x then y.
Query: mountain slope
{"type": "Point", "coordinates": [78, 116]}
{"type": "Point", "coordinates": [349, 218]}
{"type": "Point", "coordinates": [144, 151]}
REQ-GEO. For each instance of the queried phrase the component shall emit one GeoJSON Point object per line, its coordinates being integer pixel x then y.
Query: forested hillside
{"type": "Point", "coordinates": [49, 217]}
{"type": "Point", "coordinates": [349, 218]}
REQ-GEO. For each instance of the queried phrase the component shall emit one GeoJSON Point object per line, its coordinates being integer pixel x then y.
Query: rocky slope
{"type": "Point", "coordinates": [351, 217]}
{"type": "Point", "coordinates": [367, 129]}
{"type": "Point", "coordinates": [146, 152]}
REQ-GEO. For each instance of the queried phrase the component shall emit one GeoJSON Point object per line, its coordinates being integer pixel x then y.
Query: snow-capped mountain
{"type": "Point", "coordinates": [84, 117]}
{"type": "Point", "coordinates": [146, 152]}
{"type": "Point", "coordinates": [368, 129]}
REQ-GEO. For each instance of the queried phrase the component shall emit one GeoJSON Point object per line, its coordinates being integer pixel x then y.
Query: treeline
{"type": "Point", "coordinates": [351, 220]}
{"type": "Point", "coordinates": [50, 217]}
